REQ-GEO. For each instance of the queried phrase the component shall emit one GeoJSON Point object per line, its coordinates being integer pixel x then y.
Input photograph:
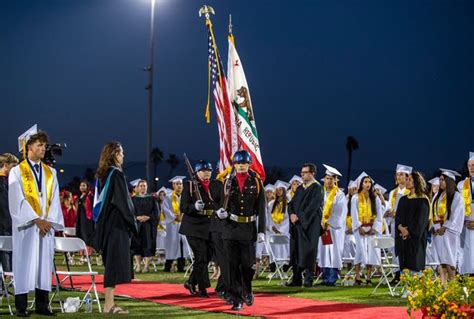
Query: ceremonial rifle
{"type": "Point", "coordinates": [192, 176]}
{"type": "Point", "coordinates": [228, 186]}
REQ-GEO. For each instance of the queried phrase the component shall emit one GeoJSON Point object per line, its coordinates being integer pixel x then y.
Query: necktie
{"type": "Point", "coordinates": [37, 167]}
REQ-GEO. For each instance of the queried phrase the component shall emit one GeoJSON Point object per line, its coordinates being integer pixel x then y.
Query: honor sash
{"type": "Point", "coordinates": [30, 189]}
{"type": "Point", "coordinates": [466, 196]}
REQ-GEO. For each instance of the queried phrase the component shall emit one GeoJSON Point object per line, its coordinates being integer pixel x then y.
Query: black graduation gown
{"type": "Point", "coordinates": [307, 204]}
{"type": "Point", "coordinates": [114, 227]}
{"type": "Point", "coordinates": [5, 218]}
{"type": "Point", "coordinates": [146, 239]}
{"type": "Point", "coordinates": [414, 213]}
{"type": "Point", "coordinates": [84, 226]}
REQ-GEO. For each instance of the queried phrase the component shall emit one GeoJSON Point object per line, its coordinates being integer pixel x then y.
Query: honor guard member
{"type": "Point", "coordinates": [196, 221]}
{"type": "Point", "coordinates": [33, 199]}
{"type": "Point", "coordinates": [246, 202]}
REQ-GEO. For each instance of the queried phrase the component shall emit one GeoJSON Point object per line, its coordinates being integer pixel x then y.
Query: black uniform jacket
{"type": "Point", "coordinates": [249, 202]}
{"type": "Point", "coordinates": [193, 223]}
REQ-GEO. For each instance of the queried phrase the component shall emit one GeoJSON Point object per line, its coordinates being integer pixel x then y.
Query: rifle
{"type": "Point", "coordinates": [228, 186]}
{"type": "Point", "coordinates": [192, 176]}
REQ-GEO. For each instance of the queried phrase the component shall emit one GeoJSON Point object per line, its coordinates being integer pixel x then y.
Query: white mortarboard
{"type": "Point", "coordinates": [162, 189]}
{"type": "Point", "coordinates": [449, 173]}
{"type": "Point", "coordinates": [331, 171]}
{"type": "Point", "coordinates": [361, 177]}
{"type": "Point", "coordinates": [380, 188]}
{"type": "Point", "coordinates": [270, 187]}
{"type": "Point", "coordinates": [471, 156]}
{"type": "Point", "coordinates": [352, 184]}
{"type": "Point", "coordinates": [296, 178]}
{"type": "Point", "coordinates": [434, 181]}
{"type": "Point", "coordinates": [404, 169]}
{"type": "Point", "coordinates": [177, 179]}
{"type": "Point", "coordinates": [134, 183]}
{"type": "Point", "coordinates": [281, 184]}
{"type": "Point", "coordinates": [25, 137]}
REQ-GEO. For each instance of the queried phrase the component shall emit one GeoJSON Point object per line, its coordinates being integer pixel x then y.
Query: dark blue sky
{"type": "Point", "coordinates": [397, 75]}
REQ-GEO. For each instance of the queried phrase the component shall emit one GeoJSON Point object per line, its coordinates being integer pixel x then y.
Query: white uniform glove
{"type": "Point", "coordinates": [199, 205]}
{"type": "Point", "coordinates": [221, 213]}
{"type": "Point", "coordinates": [260, 237]}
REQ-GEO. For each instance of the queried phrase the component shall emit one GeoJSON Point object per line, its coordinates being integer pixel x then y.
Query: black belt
{"type": "Point", "coordinates": [242, 219]}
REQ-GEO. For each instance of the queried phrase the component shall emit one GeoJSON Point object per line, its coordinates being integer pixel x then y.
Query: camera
{"type": "Point", "coordinates": [52, 151]}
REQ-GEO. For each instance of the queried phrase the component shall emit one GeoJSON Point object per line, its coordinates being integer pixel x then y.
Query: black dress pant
{"type": "Point", "coordinates": [41, 300]}
{"type": "Point", "coordinates": [240, 267]}
{"type": "Point", "coordinates": [295, 246]}
{"type": "Point", "coordinates": [218, 249]}
{"type": "Point", "coordinates": [201, 251]}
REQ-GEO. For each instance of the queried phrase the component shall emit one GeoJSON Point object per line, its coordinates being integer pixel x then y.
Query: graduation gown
{"type": "Point", "coordinates": [466, 262]}
{"type": "Point", "coordinates": [114, 228]}
{"type": "Point", "coordinates": [5, 218]}
{"type": "Point", "coordinates": [146, 239]}
{"type": "Point", "coordinates": [307, 204]}
{"type": "Point", "coordinates": [414, 213]}
{"type": "Point", "coordinates": [366, 254]}
{"type": "Point", "coordinates": [176, 245]}
{"type": "Point", "coordinates": [330, 256]}
{"type": "Point", "coordinates": [32, 254]}
{"type": "Point", "coordinates": [85, 224]}
{"type": "Point", "coordinates": [283, 228]}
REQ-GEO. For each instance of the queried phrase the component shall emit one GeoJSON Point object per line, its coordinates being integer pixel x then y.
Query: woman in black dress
{"type": "Point", "coordinates": [146, 214]}
{"type": "Point", "coordinates": [411, 222]}
{"type": "Point", "coordinates": [115, 223]}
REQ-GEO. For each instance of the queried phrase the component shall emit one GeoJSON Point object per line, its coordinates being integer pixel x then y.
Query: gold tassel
{"type": "Point", "coordinates": [208, 111]}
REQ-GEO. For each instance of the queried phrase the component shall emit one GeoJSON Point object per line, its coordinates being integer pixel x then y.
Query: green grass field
{"type": "Point", "coordinates": [153, 310]}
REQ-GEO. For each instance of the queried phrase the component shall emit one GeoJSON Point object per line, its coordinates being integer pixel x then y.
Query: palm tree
{"type": "Point", "coordinates": [173, 162]}
{"type": "Point", "coordinates": [156, 158]}
{"type": "Point", "coordinates": [351, 145]}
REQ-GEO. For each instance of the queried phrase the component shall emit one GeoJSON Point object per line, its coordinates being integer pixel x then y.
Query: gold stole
{"type": "Point", "coordinates": [365, 211]}
{"type": "Point", "coordinates": [393, 200]}
{"type": "Point", "coordinates": [175, 206]}
{"type": "Point", "coordinates": [466, 195]}
{"type": "Point", "coordinates": [349, 222]}
{"type": "Point", "coordinates": [440, 208]}
{"type": "Point", "coordinates": [277, 214]}
{"type": "Point", "coordinates": [29, 190]}
{"type": "Point", "coordinates": [328, 205]}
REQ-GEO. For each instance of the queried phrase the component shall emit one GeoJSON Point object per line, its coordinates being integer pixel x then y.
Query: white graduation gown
{"type": "Point", "coordinates": [161, 235]}
{"type": "Point", "coordinates": [447, 245]}
{"type": "Point", "coordinates": [280, 251]}
{"type": "Point", "coordinates": [466, 262]}
{"type": "Point", "coordinates": [173, 238]}
{"type": "Point", "coordinates": [330, 256]}
{"type": "Point", "coordinates": [366, 254]}
{"type": "Point", "coordinates": [32, 254]}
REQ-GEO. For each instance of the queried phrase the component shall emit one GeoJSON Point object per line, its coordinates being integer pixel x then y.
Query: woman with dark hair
{"type": "Point", "coordinates": [115, 223]}
{"type": "Point", "coordinates": [146, 211]}
{"type": "Point", "coordinates": [84, 222]}
{"type": "Point", "coordinates": [448, 221]}
{"type": "Point", "coordinates": [411, 224]}
{"type": "Point", "coordinates": [367, 220]}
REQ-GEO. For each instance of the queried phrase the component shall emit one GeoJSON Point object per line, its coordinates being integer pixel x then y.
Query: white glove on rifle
{"type": "Point", "coordinates": [221, 213]}
{"type": "Point", "coordinates": [199, 205]}
{"type": "Point", "coordinates": [260, 237]}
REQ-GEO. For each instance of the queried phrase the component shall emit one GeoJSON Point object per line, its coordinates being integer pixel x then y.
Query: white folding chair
{"type": "Point", "coordinates": [6, 246]}
{"type": "Point", "coordinates": [189, 268]}
{"type": "Point", "coordinates": [278, 240]}
{"type": "Point", "coordinates": [72, 245]}
{"type": "Point", "coordinates": [385, 243]}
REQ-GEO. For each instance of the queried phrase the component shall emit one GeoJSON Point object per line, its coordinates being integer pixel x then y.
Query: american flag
{"type": "Point", "coordinates": [225, 114]}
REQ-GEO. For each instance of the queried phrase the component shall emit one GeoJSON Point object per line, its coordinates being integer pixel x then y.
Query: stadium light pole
{"type": "Point", "coordinates": [149, 87]}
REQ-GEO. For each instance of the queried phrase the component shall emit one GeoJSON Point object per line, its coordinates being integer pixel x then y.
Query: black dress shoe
{"type": "Point", "coordinates": [22, 313]}
{"type": "Point", "coordinates": [203, 293]}
{"type": "Point", "coordinates": [237, 306]}
{"type": "Point", "coordinates": [45, 312]}
{"type": "Point", "coordinates": [293, 284]}
{"type": "Point", "coordinates": [190, 287]}
{"type": "Point", "coordinates": [249, 299]}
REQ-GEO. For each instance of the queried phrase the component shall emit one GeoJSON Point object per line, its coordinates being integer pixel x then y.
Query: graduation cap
{"type": "Point", "coordinates": [471, 156]}
{"type": "Point", "coordinates": [270, 187]}
{"type": "Point", "coordinates": [361, 177]}
{"type": "Point", "coordinates": [135, 182]}
{"type": "Point", "coordinates": [404, 169]}
{"type": "Point", "coordinates": [352, 184]}
{"type": "Point", "coordinates": [449, 173]}
{"type": "Point", "coordinates": [281, 184]}
{"type": "Point", "coordinates": [25, 137]}
{"type": "Point", "coordinates": [296, 178]}
{"type": "Point", "coordinates": [434, 181]}
{"type": "Point", "coordinates": [331, 171]}
{"type": "Point", "coordinates": [380, 188]}
{"type": "Point", "coordinates": [177, 179]}
{"type": "Point", "coordinates": [162, 189]}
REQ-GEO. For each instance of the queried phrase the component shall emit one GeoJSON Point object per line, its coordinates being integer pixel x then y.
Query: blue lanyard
{"type": "Point", "coordinates": [38, 178]}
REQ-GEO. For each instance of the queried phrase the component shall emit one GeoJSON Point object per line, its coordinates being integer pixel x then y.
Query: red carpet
{"type": "Point", "coordinates": [266, 305]}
